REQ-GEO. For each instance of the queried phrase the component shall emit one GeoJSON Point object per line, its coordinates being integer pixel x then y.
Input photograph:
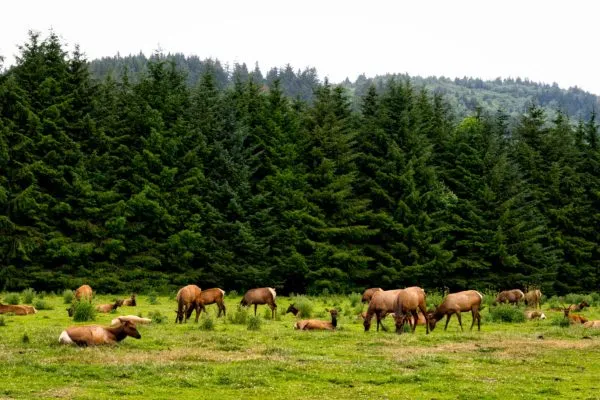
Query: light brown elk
{"type": "Point", "coordinates": [259, 296]}
{"type": "Point", "coordinates": [106, 308]}
{"type": "Point", "coordinates": [188, 299]}
{"type": "Point", "coordinates": [592, 324]}
{"type": "Point", "coordinates": [84, 292]}
{"type": "Point", "coordinates": [212, 296]}
{"type": "Point", "coordinates": [457, 303]}
{"type": "Point", "coordinates": [534, 315]}
{"type": "Point", "coordinates": [131, 302]}
{"type": "Point", "coordinates": [93, 335]}
{"type": "Point", "coordinates": [408, 303]}
{"type": "Point", "coordinates": [381, 304]}
{"type": "Point", "coordinates": [368, 294]}
{"type": "Point", "coordinates": [533, 298]}
{"type": "Point", "coordinates": [131, 318]}
{"type": "Point", "coordinates": [17, 309]}
{"type": "Point", "coordinates": [316, 324]}
{"type": "Point", "coordinates": [574, 318]}
{"type": "Point", "coordinates": [513, 296]}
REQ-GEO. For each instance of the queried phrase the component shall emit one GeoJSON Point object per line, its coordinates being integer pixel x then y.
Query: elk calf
{"type": "Point", "coordinates": [316, 324]}
{"type": "Point", "coordinates": [212, 296]}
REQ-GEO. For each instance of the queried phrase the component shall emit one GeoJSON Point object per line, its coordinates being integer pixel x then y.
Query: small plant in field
{"type": "Point", "coordinates": [304, 306]}
{"type": "Point", "coordinates": [68, 296]}
{"type": "Point", "coordinates": [2, 322]}
{"type": "Point", "coordinates": [42, 294]}
{"type": "Point", "coordinates": [83, 311]}
{"type": "Point", "coordinates": [157, 317]}
{"type": "Point", "coordinates": [207, 323]}
{"type": "Point", "coordinates": [595, 299]}
{"type": "Point", "coordinates": [506, 313]}
{"type": "Point", "coordinates": [560, 321]}
{"type": "Point", "coordinates": [25, 338]}
{"type": "Point", "coordinates": [152, 298]}
{"type": "Point", "coordinates": [239, 316]}
{"type": "Point", "coordinates": [11, 298]}
{"type": "Point", "coordinates": [40, 304]}
{"type": "Point", "coordinates": [254, 323]}
{"type": "Point", "coordinates": [28, 295]}
{"type": "Point", "coordinates": [435, 299]}
{"type": "Point", "coordinates": [554, 302]}
{"type": "Point", "coordinates": [355, 299]}
{"type": "Point", "coordinates": [232, 293]}
{"type": "Point", "coordinates": [267, 313]}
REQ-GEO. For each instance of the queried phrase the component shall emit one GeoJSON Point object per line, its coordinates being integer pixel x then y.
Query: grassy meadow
{"type": "Point", "coordinates": [222, 358]}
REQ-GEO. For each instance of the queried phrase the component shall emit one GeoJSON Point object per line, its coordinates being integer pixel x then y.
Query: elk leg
{"type": "Point", "coordinates": [447, 321]}
{"type": "Point", "coordinates": [224, 309]}
{"type": "Point", "coordinates": [273, 308]}
{"type": "Point", "coordinates": [474, 315]}
{"type": "Point", "coordinates": [415, 320]}
{"type": "Point", "coordinates": [424, 311]}
{"type": "Point", "coordinates": [478, 321]}
{"type": "Point", "coordinates": [256, 305]}
{"type": "Point", "coordinates": [199, 308]}
{"type": "Point", "coordinates": [459, 321]}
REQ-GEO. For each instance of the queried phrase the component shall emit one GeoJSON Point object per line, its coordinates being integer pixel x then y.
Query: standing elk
{"type": "Point", "coordinates": [381, 304]}
{"type": "Point", "coordinates": [316, 324]}
{"type": "Point", "coordinates": [513, 296]}
{"type": "Point", "coordinates": [533, 298]}
{"type": "Point", "coordinates": [92, 335]}
{"type": "Point", "coordinates": [259, 296]}
{"type": "Point", "coordinates": [457, 303]}
{"type": "Point", "coordinates": [17, 309]}
{"type": "Point", "coordinates": [130, 302]}
{"type": "Point", "coordinates": [84, 292]}
{"type": "Point", "coordinates": [211, 296]}
{"type": "Point", "coordinates": [368, 294]}
{"type": "Point", "coordinates": [188, 299]}
{"type": "Point", "coordinates": [408, 302]}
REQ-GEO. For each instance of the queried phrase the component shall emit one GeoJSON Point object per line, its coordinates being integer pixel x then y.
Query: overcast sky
{"type": "Point", "coordinates": [546, 41]}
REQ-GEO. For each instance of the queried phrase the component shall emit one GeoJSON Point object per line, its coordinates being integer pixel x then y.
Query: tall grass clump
{"type": "Point", "coordinates": [28, 295]}
{"type": "Point", "coordinates": [2, 322]}
{"type": "Point", "coordinates": [506, 313]}
{"type": "Point", "coordinates": [40, 304]}
{"type": "Point", "coordinates": [11, 298]}
{"type": "Point", "coordinates": [83, 311]}
{"type": "Point", "coordinates": [560, 321]}
{"type": "Point", "coordinates": [68, 296]}
{"type": "Point", "coordinates": [434, 299]}
{"type": "Point", "coordinates": [304, 305]}
{"type": "Point", "coordinates": [232, 293]}
{"type": "Point", "coordinates": [254, 323]}
{"type": "Point", "coordinates": [207, 323]}
{"type": "Point", "coordinates": [153, 298]}
{"type": "Point", "coordinates": [239, 316]}
{"type": "Point", "coordinates": [355, 299]}
{"type": "Point", "coordinates": [157, 317]}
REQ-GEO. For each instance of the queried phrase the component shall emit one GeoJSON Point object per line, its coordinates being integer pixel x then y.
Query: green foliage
{"type": "Point", "coordinates": [157, 317]}
{"type": "Point", "coordinates": [83, 311]}
{"type": "Point", "coordinates": [41, 304]}
{"type": "Point", "coordinates": [355, 299]}
{"type": "Point", "coordinates": [207, 323]}
{"type": "Point", "coordinates": [28, 295]}
{"type": "Point", "coordinates": [560, 321]}
{"type": "Point", "coordinates": [25, 338]}
{"type": "Point", "coordinates": [153, 298]}
{"type": "Point", "coordinates": [68, 296]}
{"type": "Point", "coordinates": [2, 321]}
{"type": "Point", "coordinates": [304, 305]}
{"type": "Point", "coordinates": [506, 313]}
{"type": "Point", "coordinates": [254, 323]}
{"type": "Point", "coordinates": [12, 298]}
{"type": "Point", "coordinates": [239, 316]}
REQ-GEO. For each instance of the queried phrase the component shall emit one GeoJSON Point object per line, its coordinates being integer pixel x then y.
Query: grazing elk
{"type": "Point", "coordinates": [84, 292]}
{"type": "Point", "coordinates": [408, 302]}
{"type": "Point", "coordinates": [316, 324]}
{"type": "Point", "coordinates": [17, 309]}
{"type": "Point", "coordinates": [188, 299]}
{"type": "Point", "coordinates": [130, 302]}
{"type": "Point", "coordinates": [381, 304]}
{"type": "Point", "coordinates": [258, 296]}
{"type": "Point", "coordinates": [92, 335]}
{"type": "Point", "coordinates": [533, 298]}
{"type": "Point", "coordinates": [457, 303]}
{"type": "Point", "coordinates": [534, 315]}
{"type": "Point", "coordinates": [513, 296]}
{"type": "Point", "coordinates": [292, 309]}
{"type": "Point", "coordinates": [212, 296]}
{"type": "Point", "coordinates": [368, 294]}
{"type": "Point", "coordinates": [106, 308]}
{"type": "Point", "coordinates": [573, 318]}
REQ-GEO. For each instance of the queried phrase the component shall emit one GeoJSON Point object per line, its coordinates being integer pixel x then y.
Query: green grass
{"type": "Point", "coordinates": [532, 359]}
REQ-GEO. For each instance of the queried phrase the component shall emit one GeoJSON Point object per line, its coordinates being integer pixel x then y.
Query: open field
{"type": "Point", "coordinates": [505, 360]}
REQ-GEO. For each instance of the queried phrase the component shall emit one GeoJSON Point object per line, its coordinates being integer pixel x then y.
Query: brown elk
{"type": "Point", "coordinates": [188, 299]}
{"type": "Point", "coordinates": [408, 302]}
{"type": "Point", "coordinates": [533, 298]}
{"type": "Point", "coordinates": [212, 296]}
{"type": "Point", "coordinates": [17, 309]}
{"type": "Point", "coordinates": [513, 296]}
{"type": "Point", "coordinates": [316, 324]}
{"type": "Point", "coordinates": [131, 302]}
{"type": "Point", "coordinates": [573, 318]}
{"type": "Point", "coordinates": [259, 296]}
{"type": "Point", "coordinates": [84, 292]}
{"type": "Point", "coordinates": [106, 308]}
{"type": "Point", "coordinates": [292, 309]}
{"type": "Point", "coordinates": [535, 315]}
{"type": "Point", "coordinates": [381, 304]}
{"type": "Point", "coordinates": [92, 335]}
{"type": "Point", "coordinates": [457, 303]}
{"type": "Point", "coordinates": [368, 294]}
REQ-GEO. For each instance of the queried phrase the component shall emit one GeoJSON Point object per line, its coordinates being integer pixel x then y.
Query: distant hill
{"type": "Point", "coordinates": [464, 94]}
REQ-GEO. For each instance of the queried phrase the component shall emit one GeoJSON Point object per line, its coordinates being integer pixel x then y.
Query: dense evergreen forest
{"type": "Point", "coordinates": [465, 95]}
{"type": "Point", "coordinates": [153, 182]}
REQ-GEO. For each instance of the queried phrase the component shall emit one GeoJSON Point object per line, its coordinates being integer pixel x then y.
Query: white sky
{"type": "Point", "coordinates": [546, 41]}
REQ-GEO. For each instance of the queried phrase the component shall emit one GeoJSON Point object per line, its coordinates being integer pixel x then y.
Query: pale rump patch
{"type": "Point", "coordinates": [480, 295]}
{"type": "Point", "coordinates": [272, 292]}
{"type": "Point", "coordinates": [222, 292]}
{"type": "Point", "coordinates": [64, 338]}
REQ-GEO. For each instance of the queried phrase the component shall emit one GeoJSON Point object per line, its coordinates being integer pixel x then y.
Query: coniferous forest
{"type": "Point", "coordinates": [133, 184]}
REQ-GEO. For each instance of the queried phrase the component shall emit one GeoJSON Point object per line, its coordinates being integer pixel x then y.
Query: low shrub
{"type": "Point", "coordinates": [68, 296]}
{"type": "Point", "coordinates": [83, 311]}
{"type": "Point", "coordinates": [2, 322]}
{"type": "Point", "coordinates": [40, 304]}
{"type": "Point", "coordinates": [207, 323]}
{"type": "Point", "coordinates": [254, 323]}
{"type": "Point", "coordinates": [28, 295]}
{"type": "Point", "coordinates": [304, 305]}
{"type": "Point", "coordinates": [157, 317]}
{"type": "Point", "coordinates": [506, 313]}
{"type": "Point", "coordinates": [355, 299]}
{"type": "Point", "coordinates": [560, 321]}
{"type": "Point", "coordinates": [239, 316]}
{"type": "Point", "coordinates": [25, 338]}
{"type": "Point", "coordinates": [153, 298]}
{"type": "Point", "coordinates": [232, 293]}
{"type": "Point", "coordinates": [11, 298]}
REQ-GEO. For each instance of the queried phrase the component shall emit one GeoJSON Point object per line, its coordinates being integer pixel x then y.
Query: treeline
{"type": "Point", "coordinates": [464, 95]}
{"type": "Point", "coordinates": [131, 185]}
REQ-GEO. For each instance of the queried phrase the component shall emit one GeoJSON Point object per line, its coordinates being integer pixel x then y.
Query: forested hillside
{"type": "Point", "coordinates": [132, 184]}
{"type": "Point", "coordinates": [511, 96]}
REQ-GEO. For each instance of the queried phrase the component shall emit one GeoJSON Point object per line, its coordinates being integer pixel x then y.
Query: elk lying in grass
{"type": "Point", "coordinates": [533, 298]}
{"type": "Point", "coordinates": [573, 318]}
{"type": "Point", "coordinates": [592, 324]}
{"type": "Point", "coordinates": [408, 303]}
{"type": "Point", "coordinates": [131, 318]}
{"type": "Point", "coordinates": [188, 299]}
{"type": "Point", "coordinates": [579, 307]}
{"type": "Point", "coordinates": [316, 324]}
{"type": "Point", "coordinates": [92, 335]}
{"type": "Point", "coordinates": [259, 296]}
{"type": "Point", "coordinates": [513, 296]}
{"type": "Point", "coordinates": [130, 302]}
{"type": "Point", "coordinates": [106, 308]}
{"type": "Point", "coordinates": [535, 315]}
{"type": "Point", "coordinates": [84, 292]}
{"type": "Point", "coordinates": [212, 296]}
{"type": "Point", "coordinates": [368, 294]}
{"type": "Point", "coordinates": [457, 303]}
{"type": "Point", "coordinates": [382, 303]}
{"type": "Point", "coordinates": [17, 309]}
